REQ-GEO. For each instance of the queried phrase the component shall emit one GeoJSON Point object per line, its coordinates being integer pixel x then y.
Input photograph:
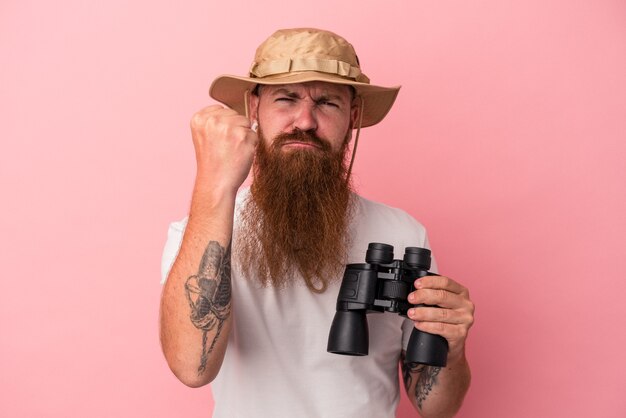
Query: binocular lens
{"type": "Point", "coordinates": [378, 253]}
{"type": "Point", "coordinates": [417, 257]}
{"type": "Point", "coordinates": [349, 334]}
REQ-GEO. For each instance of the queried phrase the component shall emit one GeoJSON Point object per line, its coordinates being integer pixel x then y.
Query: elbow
{"type": "Point", "coordinates": [185, 366]}
{"type": "Point", "coordinates": [187, 370]}
{"type": "Point", "coordinates": [190, 376]}
{"type": "Point", "coordinates": [192, 381]}
{"type": "Point", "coordinates": [186, 361]}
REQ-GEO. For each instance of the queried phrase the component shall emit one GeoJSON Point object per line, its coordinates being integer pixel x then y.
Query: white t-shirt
{"type": "Point", "coordinates": [276, 364]}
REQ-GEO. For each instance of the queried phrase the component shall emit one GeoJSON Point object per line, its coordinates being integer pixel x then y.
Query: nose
{"type": "Point", "coordinates": [305, 119]}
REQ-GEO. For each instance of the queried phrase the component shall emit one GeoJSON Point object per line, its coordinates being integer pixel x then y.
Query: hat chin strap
{"type": "Point", "coordinates": [246, 101]}
{"type": "Point", "coordinates": [356, 139]}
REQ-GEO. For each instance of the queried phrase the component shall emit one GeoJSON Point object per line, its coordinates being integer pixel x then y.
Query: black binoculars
{"type": "Point", "coordinates": [382, 284]}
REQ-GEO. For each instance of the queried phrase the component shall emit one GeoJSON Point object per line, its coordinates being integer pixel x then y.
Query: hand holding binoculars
{"type": "Point", "coordinates": [382, 284]}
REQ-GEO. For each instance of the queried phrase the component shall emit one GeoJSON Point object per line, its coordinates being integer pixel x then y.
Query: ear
{"type": "Point", "coordinates": [355, 111]}
{"type": "Point", "coordinates": [253, 107]}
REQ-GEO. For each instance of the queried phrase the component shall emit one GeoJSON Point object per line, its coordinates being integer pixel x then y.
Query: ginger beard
{"type": "Point", "coordinates": [295, 221]}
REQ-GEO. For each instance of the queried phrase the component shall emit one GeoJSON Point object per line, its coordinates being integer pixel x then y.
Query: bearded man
{"type": "Point", "coordinates": [253, 275]}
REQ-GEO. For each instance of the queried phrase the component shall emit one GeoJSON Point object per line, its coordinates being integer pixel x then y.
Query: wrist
{"type": "Point", "coordinates": [457, 356]}
{"type": "Point", "coordinates": [209, 186]}
{"type": "Point", "coordinates": [210, 197]}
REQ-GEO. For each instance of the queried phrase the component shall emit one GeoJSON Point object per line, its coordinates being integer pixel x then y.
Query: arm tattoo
{"type": "Point", "coordinates": [426, 380]}
{"type": "Point", "coordinates": [406, 371]}
{"type": "Point", "coordinates": [209, 294]}
{"type": "Point", "coordinates": [425, 383]}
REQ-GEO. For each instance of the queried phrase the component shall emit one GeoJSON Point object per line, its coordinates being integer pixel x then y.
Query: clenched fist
{"type": "Point", "coordinates": [225, 146]}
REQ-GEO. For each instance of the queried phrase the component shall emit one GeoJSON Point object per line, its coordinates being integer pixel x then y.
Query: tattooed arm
{"type": "Point", "coordinates": [196, 302]}
{"type": "Point", "coordinates": [436, 391]}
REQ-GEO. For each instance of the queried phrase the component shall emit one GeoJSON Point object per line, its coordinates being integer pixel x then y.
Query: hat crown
{"type": "Point", "coordinates": [303, 55]}
{"type": "Point", "coordinates": [306, 49]}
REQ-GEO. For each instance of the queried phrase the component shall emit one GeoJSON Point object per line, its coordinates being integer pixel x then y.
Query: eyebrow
{"type": "Point", "coordinates": [293, 94]}
{"type": "Point", "coordinates": [286, 92]}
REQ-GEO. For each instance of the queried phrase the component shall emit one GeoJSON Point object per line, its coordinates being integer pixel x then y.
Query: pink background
{"type": "Point", "coordinates": [508, 141]}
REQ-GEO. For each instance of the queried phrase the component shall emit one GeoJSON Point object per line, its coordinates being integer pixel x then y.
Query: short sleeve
{"type": "Point", "coordinates": [172, 245]}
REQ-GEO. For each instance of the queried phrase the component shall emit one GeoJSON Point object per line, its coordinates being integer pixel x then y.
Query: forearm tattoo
{"type": "Point", "coordinates": [425, 382]}
{"type": "Point", "coordinates": [209, 295]}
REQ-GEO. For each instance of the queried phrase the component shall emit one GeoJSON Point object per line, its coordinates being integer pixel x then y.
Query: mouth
{"type": "Point", "coordinates": [300, 145]}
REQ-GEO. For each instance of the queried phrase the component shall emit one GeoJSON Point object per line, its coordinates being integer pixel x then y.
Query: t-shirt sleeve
{"type": "Point", "coordinates": [172, 245]}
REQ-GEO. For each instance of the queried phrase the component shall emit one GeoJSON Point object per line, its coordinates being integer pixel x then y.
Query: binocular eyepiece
{"type": "Point", "coordinates": [382, 284]}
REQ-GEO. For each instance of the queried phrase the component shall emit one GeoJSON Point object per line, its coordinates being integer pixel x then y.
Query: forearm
{"type": "Point", "coordinates": [196, 302]}
{"type": "Point", "coordinates": [446, 310]}
{"type": "Point", "coordinates": [438, 392]}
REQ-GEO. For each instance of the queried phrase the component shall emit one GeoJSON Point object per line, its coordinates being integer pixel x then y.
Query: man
{"type": "Point", "coordinates": [256, 324]}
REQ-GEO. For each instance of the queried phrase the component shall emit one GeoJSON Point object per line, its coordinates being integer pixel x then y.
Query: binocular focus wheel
{"type": "Point", "coordinates": [395, 290]}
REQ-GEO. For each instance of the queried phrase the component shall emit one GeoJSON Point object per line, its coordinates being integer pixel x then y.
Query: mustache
{"type": "Point", "coordinates": [298, 135]}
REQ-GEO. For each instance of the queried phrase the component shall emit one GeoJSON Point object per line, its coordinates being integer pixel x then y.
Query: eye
{"type": "Point", "coordinates": [330, 103]}
{"type": "Point", "coordinates": [284, 99]}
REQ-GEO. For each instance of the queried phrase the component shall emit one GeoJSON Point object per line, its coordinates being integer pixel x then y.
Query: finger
{"type": "Point", "coordinates": [450, 332]}
{"type": "Point", "coordinates": [235, 120]}
{"type": "Point", "coordinates": [252, 137]}
{"type": "Point", "coordinates": [432, 314]}
{"type": "Point", "coordinates": [217, 113]}
{"type": "Point", "coordinates": [439, 297]}
{"type": "Point", "coordinates": [439, 282]}
{"type": "Point", "coordinates": [210, 110]}
{"type": "Point", "coordinates": [213, 108]}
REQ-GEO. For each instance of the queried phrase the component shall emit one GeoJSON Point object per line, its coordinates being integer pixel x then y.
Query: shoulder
{"type": "Point", "coordinates": [178, 227]}
{"type": "Point", "coordinates": [372, 210]}
{"type": "Point", "coordinates": [378, 222]}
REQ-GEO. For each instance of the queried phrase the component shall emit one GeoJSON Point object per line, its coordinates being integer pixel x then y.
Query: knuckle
{"type": "Point", "coordinates": [254, 139]}
{"type": "Point", "coordinates": [461, 333]}
{"type": "Point", "coordinates": [196, 120]}
{"type": "Point", "coordinates": [444, 314]}
{"type": "Point", "coordinates": [465, 318]}
{"type": "Point", "coordinates": [470, 320]}
{"type": "Point", "coordinates": [427, 296]}
{"type": "Point", "coordinates": [445, 281]}
{"type": "Point", "coordinates": [472, 307]}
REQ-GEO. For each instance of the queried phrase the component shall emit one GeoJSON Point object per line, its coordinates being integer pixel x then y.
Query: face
{"type": "Point", "coordinates": [324, 109]}
{"type": "Point", "coordinates": [297, 219]}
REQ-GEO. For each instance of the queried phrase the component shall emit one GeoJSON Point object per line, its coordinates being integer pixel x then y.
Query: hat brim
{"type": "Point", "coordinates": [377, 100]}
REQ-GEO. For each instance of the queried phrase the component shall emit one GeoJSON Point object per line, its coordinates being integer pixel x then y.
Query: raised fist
{"type": "Point", "coordinates": [224, 144]}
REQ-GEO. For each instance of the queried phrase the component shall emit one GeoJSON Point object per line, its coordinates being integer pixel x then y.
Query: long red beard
{"type": "Point", "coordinates": [296, 218]}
